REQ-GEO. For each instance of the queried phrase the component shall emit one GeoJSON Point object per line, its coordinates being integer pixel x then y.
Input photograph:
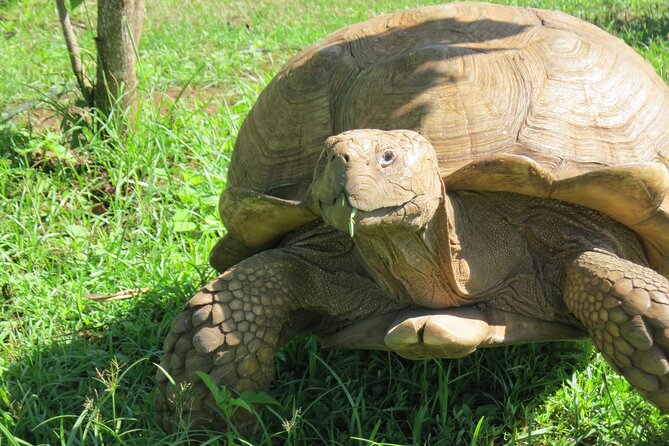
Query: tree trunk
{"type": "Point", "coordinates": [119, 32]}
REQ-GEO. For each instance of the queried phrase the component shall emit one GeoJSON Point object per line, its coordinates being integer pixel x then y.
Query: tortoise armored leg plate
{"type": "Point", "coordinates": [231, 329]}
{"type": "Point", "coordinates": [228, 330]}
{"type": "Point", "coordinates": [625, 307]}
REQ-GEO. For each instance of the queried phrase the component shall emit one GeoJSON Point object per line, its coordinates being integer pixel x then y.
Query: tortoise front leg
{"type": "Point", "coordinates": [228, 330]}
{"type": "Point", "coordinates": [625, 308]}
{"type": "Point", "coordinates": [232, 328]}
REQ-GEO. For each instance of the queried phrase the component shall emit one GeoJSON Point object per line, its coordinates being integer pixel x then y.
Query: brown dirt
{"type": "Point", "coordinates": [207, 98]}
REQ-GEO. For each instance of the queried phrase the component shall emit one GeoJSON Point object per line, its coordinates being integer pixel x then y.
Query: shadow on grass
{"type": "Point", "coordinates": [98, 385]}
{"type": "Point", "coordinates": [11, 139]}
{"type": "Point", "coordinates": [442, 401]}
{"type": "Point", "coordinates": [99, 379]}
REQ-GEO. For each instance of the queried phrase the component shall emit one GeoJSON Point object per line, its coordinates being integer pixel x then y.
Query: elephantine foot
{"type": "Point", "coordinates": [625, 307]}
{"type": "Point", "coordinates": [226, 333]}
{"type": "Point", "coordinates": [231, 329]}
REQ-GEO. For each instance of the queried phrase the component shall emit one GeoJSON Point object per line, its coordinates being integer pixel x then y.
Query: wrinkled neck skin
{"type": "Point", "coordinates": [413, 263]}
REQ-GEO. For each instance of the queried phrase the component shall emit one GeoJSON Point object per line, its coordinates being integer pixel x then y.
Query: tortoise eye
{"type": "Point", "coordinates": [387, 157]}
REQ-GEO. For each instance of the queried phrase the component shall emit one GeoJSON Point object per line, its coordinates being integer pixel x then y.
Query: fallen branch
{"type": "Point", "coordinates": [121, 295]}
{"type": "Point", "coordinates": [54, 92]}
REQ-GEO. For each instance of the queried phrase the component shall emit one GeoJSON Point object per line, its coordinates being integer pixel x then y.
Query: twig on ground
{"type": "Point", "coordinates": [121, 295]}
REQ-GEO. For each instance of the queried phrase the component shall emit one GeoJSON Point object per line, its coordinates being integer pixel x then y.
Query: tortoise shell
{"type": "Point", "coordinates": [513, 99]}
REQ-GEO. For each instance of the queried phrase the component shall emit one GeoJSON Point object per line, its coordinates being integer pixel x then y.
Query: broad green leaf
{"type": "Point", "coordinates": [76, 231]}
{"type": "Point", "coordinates": [183, 226]}
{"type": "Point", "coordinates": [253, 397]}
{"type": "Point", "coordinates": [238, 402]}
{"type": "Point", "coordinates": [182, 215]}
{"type": "Point", "coordinates": [187, 194]}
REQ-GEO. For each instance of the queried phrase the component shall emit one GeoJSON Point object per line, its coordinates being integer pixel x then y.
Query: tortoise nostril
{"type": "Point", "coordinates": [343, 156]}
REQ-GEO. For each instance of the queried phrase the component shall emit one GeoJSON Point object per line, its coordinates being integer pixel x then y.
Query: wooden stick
{"type": "Point", "coordinates": [73, 50]}
{"type": "Point", "coordinates": [120, 295]}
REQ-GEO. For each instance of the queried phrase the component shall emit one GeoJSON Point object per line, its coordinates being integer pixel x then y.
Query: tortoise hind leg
{"type": "Point", "coordinates": [625, 308]}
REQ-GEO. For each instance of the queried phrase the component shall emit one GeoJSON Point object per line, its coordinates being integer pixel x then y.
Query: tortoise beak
{"type": "Point", "coordinates": [343, 172]}
{"type": "Point", "coordinates": [327, 195]}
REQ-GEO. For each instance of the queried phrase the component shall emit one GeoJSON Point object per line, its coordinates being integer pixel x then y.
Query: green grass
{"type": "Point", "coordinates": [138, 211]}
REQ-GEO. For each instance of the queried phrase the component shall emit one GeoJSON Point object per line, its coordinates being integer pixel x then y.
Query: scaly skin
{"type": "Point", "coordinates": [232, 328]}
{"type": "Point", "coordinates": [227, 333]}
{"type": "Point", "coordinates": [625, 308]}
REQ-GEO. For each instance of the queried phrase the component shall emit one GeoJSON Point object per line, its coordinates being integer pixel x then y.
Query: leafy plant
{"type": "Point", "coordinates": [228, 403]}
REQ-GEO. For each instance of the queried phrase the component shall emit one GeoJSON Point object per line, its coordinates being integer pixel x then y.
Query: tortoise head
{"type": "Point", "coordinates": [371, 179]}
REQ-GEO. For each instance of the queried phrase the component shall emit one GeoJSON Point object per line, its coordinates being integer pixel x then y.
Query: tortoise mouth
{"type": "Point", "coordinates": [345, 215]}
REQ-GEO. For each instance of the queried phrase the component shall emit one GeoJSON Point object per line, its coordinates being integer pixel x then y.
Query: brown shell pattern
{"type": "Point", "coordinates": [479, 81]}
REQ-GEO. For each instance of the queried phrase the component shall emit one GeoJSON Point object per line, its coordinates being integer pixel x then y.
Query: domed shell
{"type": "Point", "coordinates": [513, 99]}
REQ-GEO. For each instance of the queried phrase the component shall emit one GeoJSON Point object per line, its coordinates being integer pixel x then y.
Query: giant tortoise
{"type": "Point", "coordinates": [434, 181]}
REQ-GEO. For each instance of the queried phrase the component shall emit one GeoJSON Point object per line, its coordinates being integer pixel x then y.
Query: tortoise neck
{"type": "Point", "coordinates": [415, 266]}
